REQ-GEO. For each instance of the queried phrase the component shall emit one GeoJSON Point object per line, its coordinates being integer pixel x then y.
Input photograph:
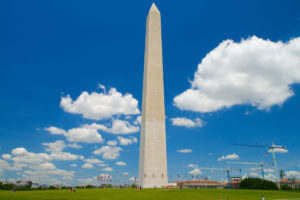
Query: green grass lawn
{"type": "Point", "coordinates": [149, 194]}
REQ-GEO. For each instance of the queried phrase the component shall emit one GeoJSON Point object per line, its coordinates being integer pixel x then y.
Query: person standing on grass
{"type": "Point", "coordinates": [262, 198]}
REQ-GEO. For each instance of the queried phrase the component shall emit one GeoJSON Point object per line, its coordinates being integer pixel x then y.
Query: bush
{"type": "Point", "coordinates": [7, 186]}
{"type": "Point", "coordinates": [257, 183]}
{"type": "Point", "coordinates": [51, 187]}
{"type": "Point", "coordinates": [285, 187]}
{"type": "Point", "coordinates": [89, 187]}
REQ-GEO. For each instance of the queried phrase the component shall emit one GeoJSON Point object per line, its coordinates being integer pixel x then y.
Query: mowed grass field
{"type": "Point", "coordinates": [148, 194]}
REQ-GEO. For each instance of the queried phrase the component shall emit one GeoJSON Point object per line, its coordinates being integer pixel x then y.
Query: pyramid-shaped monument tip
{"type": "Point", "coordinates": [154, 8]}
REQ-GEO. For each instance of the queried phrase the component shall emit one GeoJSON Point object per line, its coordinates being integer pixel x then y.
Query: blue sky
{"type": "Point", "coordinates": [246, 89]}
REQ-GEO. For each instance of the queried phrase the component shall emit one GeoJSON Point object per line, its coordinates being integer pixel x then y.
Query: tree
{"type": "Point", "coordinates": [89, 186]}
{"type": "Point", "coordinates": [51, 187]}
{"type": "Point", "coordinates": [285, 187]}
{"type": "Point", "coordinates": [257, 183]}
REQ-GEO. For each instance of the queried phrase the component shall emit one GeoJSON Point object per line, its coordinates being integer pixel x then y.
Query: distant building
{"type": "Point", "coordinates": [295, 184]}
{"type": "Point", "coordinates": [200, 184]}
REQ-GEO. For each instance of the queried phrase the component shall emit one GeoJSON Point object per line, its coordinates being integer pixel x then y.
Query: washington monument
{"type": "Point", "coordinates": [153, 155]}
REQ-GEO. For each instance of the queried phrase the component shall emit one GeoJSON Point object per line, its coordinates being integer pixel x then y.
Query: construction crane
{"type": "Point", "coordinates": [227, 170]}
{"type": "Point", "coordinates": [271, 149]}
{"type": "Point", "coordinates": [261, 165]}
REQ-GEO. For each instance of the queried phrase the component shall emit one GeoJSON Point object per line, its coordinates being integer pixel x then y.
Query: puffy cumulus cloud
{"type": "Point", "coordinates": [195, 171]}
{"type": "Point", "coordinates": [112, 142]}
{"type": "Point", "coordinates": [132, 179]}
{"type": "Point", "coordinates": [293, 174]}
{"type": "Point", "coordinates": [268, 170]}
{"type": "Point", "coordinates": [253, 174]}
{"type": "Point", "coordinates": [87, 165]}
{"type": "Point", "coordinates": [93, 160]}
{"type": "Point", "coordinates": [121, 163]}
{"type": "Point", "coordinates": [99, 106]}
{"type": "Point", "coordinates": [102, 165]}
{"type": "Point", "coordinates": [184, 150]}
{"type": "Point", "coordinates": [73, 165]}
{"type": "Point", "coordinates": [188, 123]}
{"type": "Point", "coordinates": [44, 166]}
{"type": "Point", "coordinates": [122, 127]}
{"type": "Point", "coordinates": [86, 181]}
{"type": "Point", "coordinates": [254, 71]}
{"type": "Point", "coordinates": [4, 165]}
{"type": "Point", "coordinates": [57, 146]}
{"type": "Point", "coordinates": [21, 155]}
{"type": "Point", "coordinates": [65, 156]}
{"type": "Point", "coordinates": [6, 156]}
{"type": "Point", "coordinates": [107, 169]}
{"type": "Point", "coordinates": [270, 177]}
{"type": "Point", "coordinates": [48, 173]}
{"type": "Point", "coordinates": [75, 146]}
{"type": "Point", "coordinates": [56, 151]}
{"type": "Point", "coordinates": [233, 156]}
{"type": "Point", "coordinates": [278, 149]}
{"type": "Point", "coordinates": [86, 134]}
{"type": "Point", "coordinates": [127, 141]}
{"type": "Point", "coordinates": [108, 152]}
{"type": "Point", "coordinates": [56, 131]}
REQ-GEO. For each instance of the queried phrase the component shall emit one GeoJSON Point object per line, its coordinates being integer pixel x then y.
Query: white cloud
{"type": "Point", "coordinates": [86, 133]}
{"type": "Point", "coordinates": [87, 166]}
{"type": "Point", "coordinates": [47, 173]}
{"type": "Point", "coordinates": [132, 179]}
{"type": "Point", "coordinates": [233, 156]}
{"type": "Point", "coordinates": [127, 141]}
{"type": "Point", "coordinates": [6, 156]}
{"type": "Point", "coordinates": [293, 174]}
{"type": "Point", "coordinates": [278, 149]}
{"type": "Point", "coordinates": [4, 165]}
{"type": "Point", "coordinates": [270, 177]}
{"type": "Point", "coordinates": [268, 170]}
{"type": "Point", "coordinates": [138, 120]}
{"type": "Point", "coordinates": [188, 123]}
{"type": "Point", "coordinates": [87, 181]}
{"type": "Point", "coordinates": [73, 165]}
{"type": "Point", "coordinates": [108, 152]}
{"type": "Point", "coordinates": [44, 166]}
{"type": "Point", "coordinates": [64, 156]}
{"type": "Point", "coordinates": [122, 127]}
{"type": "Point", "coordinates": [55, 131]}
{"type": "Point", "coordinates": [99, 106]}
{"type": "Point", "coordinates": [191, 165]}
{"type": "Point", "coordinates": [184, 150]}
{"type": "Point", "coordinates": [195, 172]}
{"type": "Point", "coordinates": [57, 146]}
{"type": "Point", "coordinates": [107, 169]}
{"type": "Point", "coordinates": [75, 146]}
{"type": "Point", "coordinates": [56, 151]}
{"type": "Point", "coordinates": [21, 155]}
{"type": "Point", "coordinates": [102, 165]}
{"type": "Point", "coordinates": [253, 174]}
{"type": "Point", "coordinates": [254, 71]}
{"type": "Point", "coordinates": [121, 163]}
{"type": "Point", "coordinates": [112, 142]}
{"type": "Point", "coordinates": [93, 160]}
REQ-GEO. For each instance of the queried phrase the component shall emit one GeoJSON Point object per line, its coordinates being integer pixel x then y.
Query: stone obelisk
{"type": "Point", "coordinates": [153, 155]}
